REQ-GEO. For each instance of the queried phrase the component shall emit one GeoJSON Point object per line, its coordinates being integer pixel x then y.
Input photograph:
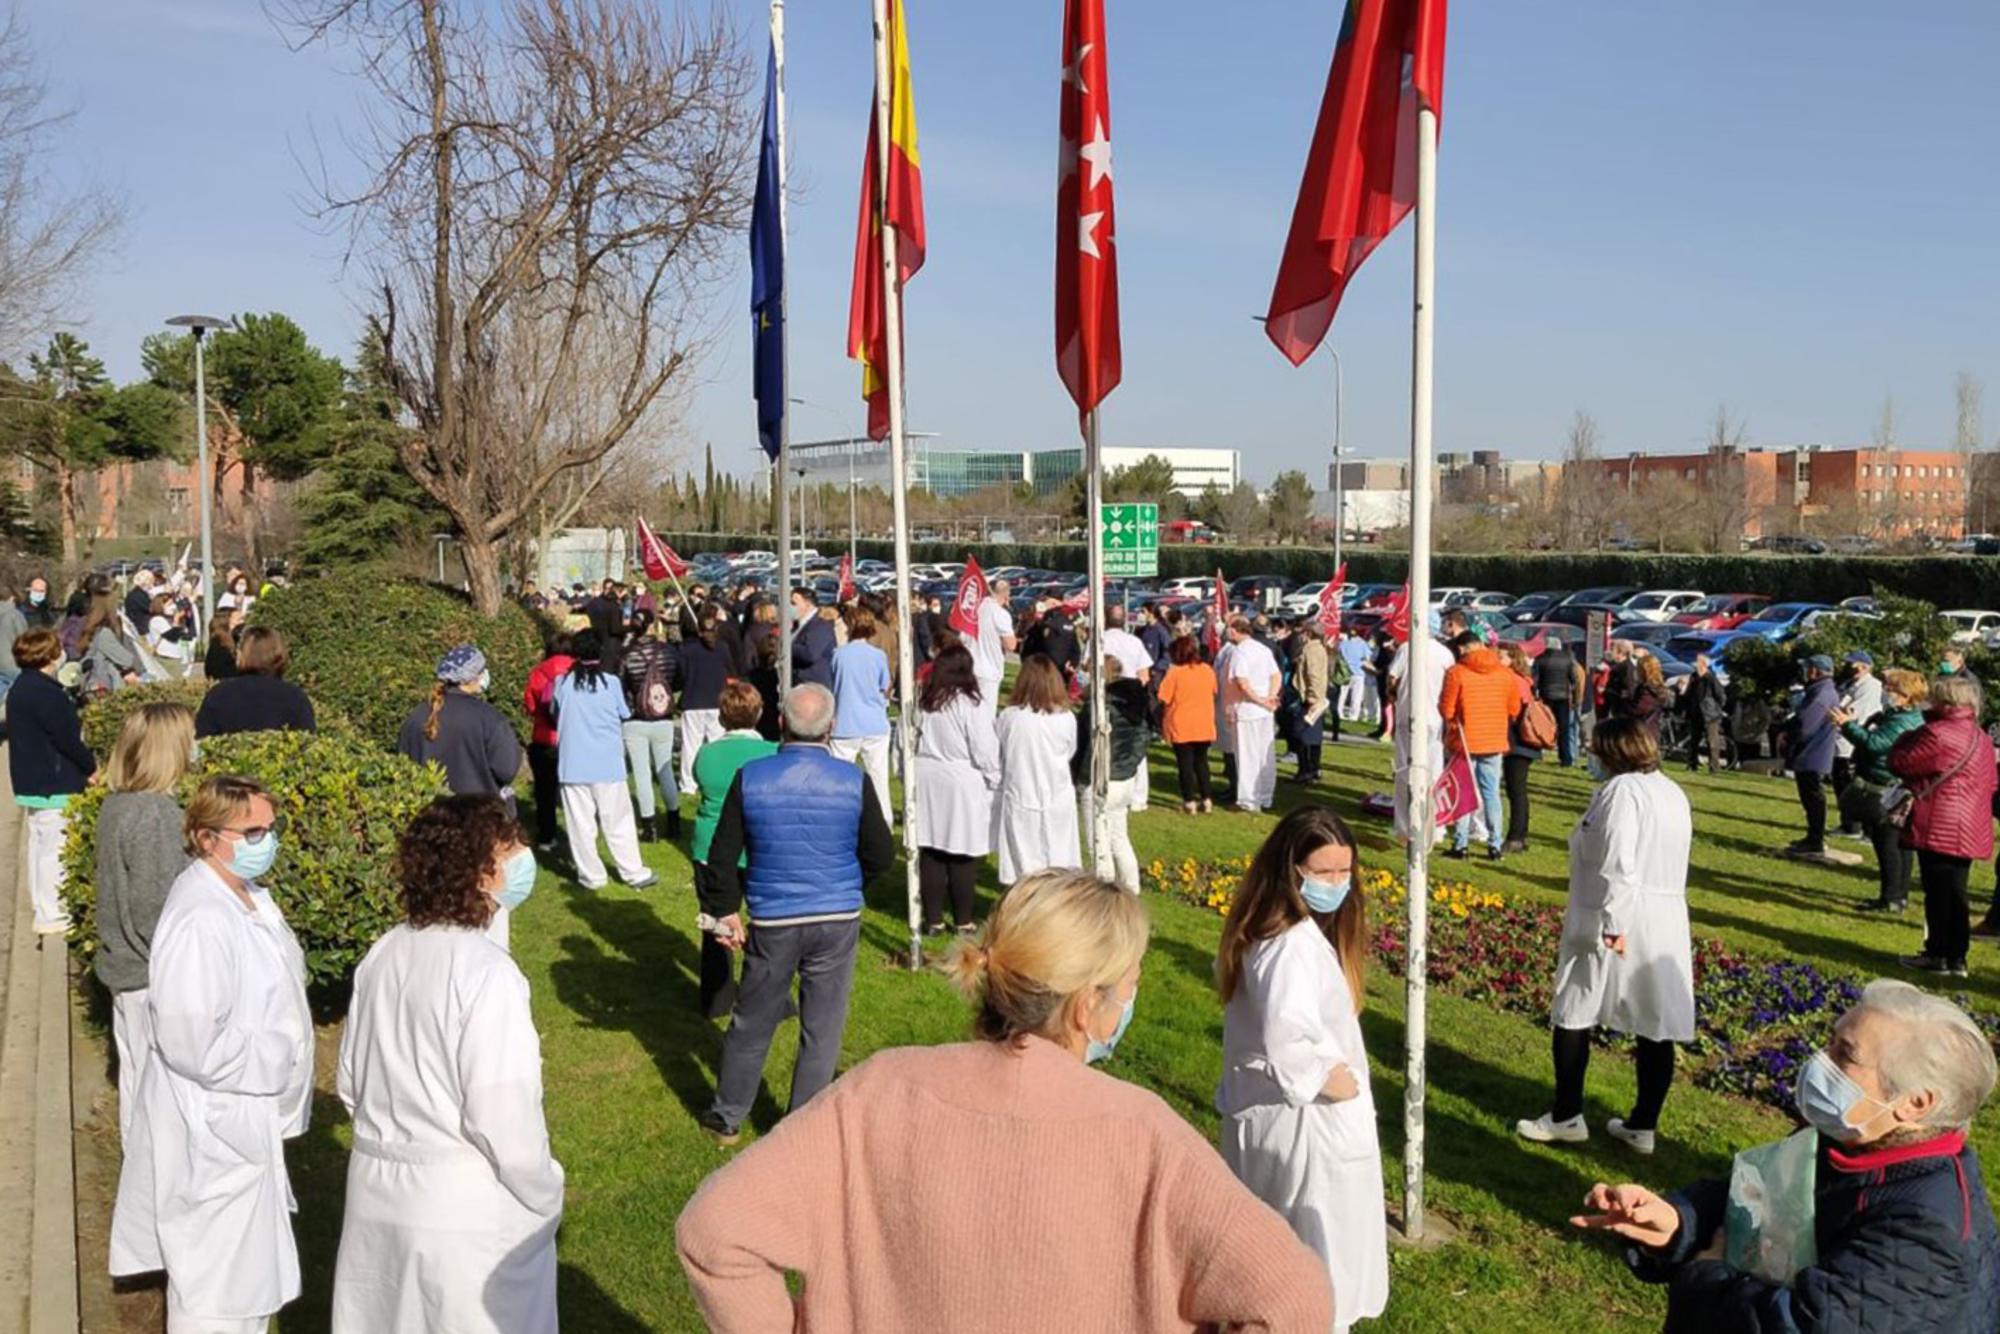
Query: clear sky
{"type": "Point", "coordinates": [1790, 206]}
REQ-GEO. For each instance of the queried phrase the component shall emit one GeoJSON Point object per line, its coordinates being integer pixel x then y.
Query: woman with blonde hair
{"type": "Point", "coordinates": [140, 853]}
{"type": "Point", "coordinates": [457, 730]}
{"type": "Point", "coordinates": [1905, 695]}
{"type": "Point", "coordinates": [1298, 1119]}
{"type": "Point", "coordinates": [1036, 826]}
{"type": "Point", "coordinates": [1136, 1224]}
{"type": "Point", "coordinates": [203, 1193]}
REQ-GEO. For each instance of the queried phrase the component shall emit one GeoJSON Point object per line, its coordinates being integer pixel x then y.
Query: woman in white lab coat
{"type": "Point", "coordinates": [203, 1193]}
{"type": "Point", "coordinates": [1036, 827]}
{"type": "Point", "coordinates": [1626, 961]}
{"type": "Point", "coordinates": [957, 779]}
{"type": "Point", "coordinates": [441, 1068]}
{"type": "Point", "coordinates": [1298, 1119]}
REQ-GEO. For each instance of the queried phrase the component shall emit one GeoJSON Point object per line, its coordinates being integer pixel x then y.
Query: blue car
{"type": "Point", "coordinates": [1780, 621]}
{"type": "Point", "coordinates": [1715, 643]}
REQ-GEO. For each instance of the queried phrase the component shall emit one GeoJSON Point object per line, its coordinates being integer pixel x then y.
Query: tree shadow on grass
{"type": "Point", "coordinates": [585, 1307]}
{"type": "Point", "coordinates": [649, 987]}
{"type": "Point", "coordinates": [317, 1164]}
{"type": "Point", "coordinates": [1544, 1184]}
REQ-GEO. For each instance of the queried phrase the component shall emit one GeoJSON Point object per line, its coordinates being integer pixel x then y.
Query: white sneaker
{"type": "Point", "coordinates": [1545, 1130]}
{"type": "Point", "coordinates": [1640, 1140]}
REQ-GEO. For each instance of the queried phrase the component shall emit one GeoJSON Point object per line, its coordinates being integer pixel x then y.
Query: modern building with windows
{"type": "Point", "coordinates": [1194, 469]}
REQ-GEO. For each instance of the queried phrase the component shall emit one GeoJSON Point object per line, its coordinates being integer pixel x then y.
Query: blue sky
{"type": "Point", "coordinates": [1645, 210]}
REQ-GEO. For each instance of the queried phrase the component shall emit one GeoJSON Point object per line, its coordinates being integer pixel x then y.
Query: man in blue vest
{"type": "Point", "coordinates": [811, 833]}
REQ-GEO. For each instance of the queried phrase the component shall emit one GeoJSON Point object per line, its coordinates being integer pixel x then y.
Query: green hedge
{"type": "Point", "coordinates": [1949, 581]}
{"type": "Point", "coordinates": [345, 802]}
{"type": "Point", "coordinates": [366, 644]}
{"type": "Point", "coordinates": [103, 717]}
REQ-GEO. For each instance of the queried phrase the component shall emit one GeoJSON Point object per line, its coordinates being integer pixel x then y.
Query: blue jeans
{"type": "Point", "coordinates": [649, 754]}
{"type": "Point", "coordinates": [1486, 774]}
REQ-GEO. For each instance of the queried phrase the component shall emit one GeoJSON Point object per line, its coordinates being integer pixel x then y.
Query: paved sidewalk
{"type": "Point", "coordinates": [38, 1253]}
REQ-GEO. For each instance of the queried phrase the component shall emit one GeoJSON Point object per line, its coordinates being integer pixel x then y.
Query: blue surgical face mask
{"type": "Point", "coordinates": [519, 882]}
{"type": "Point", "coordinates": [1325, 895]}
{"type": "Point", "coordinates": [252, 858]}
{"type": "Point", "coordinates": [1825, 1092]}
{"type": "Point", "coordinates": [1101, 1048]}
{"type": "Point", "coordinates": [485, 680]}
{"type": "Point", "coordinates": [37, 598]}
{"type": "Point", "coordinates": [194, 755]}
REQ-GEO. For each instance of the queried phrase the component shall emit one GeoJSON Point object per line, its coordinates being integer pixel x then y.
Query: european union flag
{"type": "Point", "coordinates": [767, 275]}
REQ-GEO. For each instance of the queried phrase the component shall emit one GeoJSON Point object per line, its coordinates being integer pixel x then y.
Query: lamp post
{"type": "Point", "coordinates": [199, 325]}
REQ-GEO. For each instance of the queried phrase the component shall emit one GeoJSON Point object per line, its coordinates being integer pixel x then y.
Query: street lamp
{"type": "Point", "coordinates": [199, 325]}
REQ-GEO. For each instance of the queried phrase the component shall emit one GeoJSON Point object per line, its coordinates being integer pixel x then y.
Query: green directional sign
{"type": "Point", "coordinates": [1129, 536]}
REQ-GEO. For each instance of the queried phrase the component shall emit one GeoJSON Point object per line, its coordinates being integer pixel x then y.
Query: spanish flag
{"type": "Point", "coordinates": [897, 201]}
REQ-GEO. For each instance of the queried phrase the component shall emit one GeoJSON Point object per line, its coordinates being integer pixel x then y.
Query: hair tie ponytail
{"type": "Point", "coordinates": [437, 707]}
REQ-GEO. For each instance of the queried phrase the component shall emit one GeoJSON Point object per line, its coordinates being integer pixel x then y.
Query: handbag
{"type": "Point", "coordinates": [1899, 801]}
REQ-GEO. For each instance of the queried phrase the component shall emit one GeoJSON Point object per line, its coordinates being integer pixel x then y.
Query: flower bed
{"type": "Point", "coordinates": [1757, 1018]}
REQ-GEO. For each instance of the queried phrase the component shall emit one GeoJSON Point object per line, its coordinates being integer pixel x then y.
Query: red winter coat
{"type": "Point", "coordinates": [1953, 817]}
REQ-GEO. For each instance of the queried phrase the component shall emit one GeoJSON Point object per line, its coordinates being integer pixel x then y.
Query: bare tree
{"type": "Point", "coordinates": [1885, 425]}
{"type": "Point", "coordinates": [49, 237]}
{"type": "Point", "coordinates": [552, 180]}
{"type": "Point", "coordinates": [1721, 507]}
{"type": "Point", "coordinates": [1585, 496]}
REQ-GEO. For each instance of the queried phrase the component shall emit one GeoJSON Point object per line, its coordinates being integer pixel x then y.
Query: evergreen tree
{"type": "Point", "coordinates": [365, 505]}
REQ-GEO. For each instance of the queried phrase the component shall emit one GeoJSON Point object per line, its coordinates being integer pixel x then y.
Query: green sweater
{"type": "Point", "coordinates": [1873, 740]}
{"type": "Point", "coordinates": [714, 770]}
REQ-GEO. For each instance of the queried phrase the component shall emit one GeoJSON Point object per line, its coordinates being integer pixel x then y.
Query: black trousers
{"type": "Point", "coordinates": [1514, 775]}
{"type": "Point", "coordinates": [946, 873]}
{"type": "Point", "coordinates": [1565, 752]}
{"type": "Point", "coordinates": [1653, 1061]}
{"type": "Point", "coordinates": [1227, 796]}
{"type": "Point", "coordinates": [1892, 859]}
{"type": "Point", "coordinates": [1843, 777]}
{"type": "Point", "coordinates": [717, 994]}
{"type": "Point", "coordinates": [1191, 759]}
{"type": "Point", "coordinates": [1947, 913]}
{"type": "Point", "coordinates": [548, 792]}
{"type": "Point", "coordinates": [1812, 796]}
{"type": "Point", "coordinates": [1704, 732]}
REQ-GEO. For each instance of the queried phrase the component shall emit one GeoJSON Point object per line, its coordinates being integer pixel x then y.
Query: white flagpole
{"type": "Point", "coordinates": [892, 307]}
{"type": "Point", "coordinates": [785, 620]}
{"type": "Point", "coordinates": [1100, 721]}
{"type": "Point", "coordinates": [1417, 717]}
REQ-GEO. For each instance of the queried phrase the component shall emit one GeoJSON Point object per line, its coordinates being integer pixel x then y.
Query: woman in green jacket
{"type": "Point", "coordinates": [714, 770]}
{"type": "Point", "coordinates": [1904, 694]}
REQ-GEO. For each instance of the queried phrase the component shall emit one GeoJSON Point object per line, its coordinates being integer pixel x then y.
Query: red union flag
{"type": "Point", "coordinates": [1397, 621]}
{"type": "Point", "coordinates": [657, 557]}
{"type": "Point", "coordinates": [1218, 615]}
{"type": "Point", "coordinates": [1455, 795]}
{"type": "Point", "coordinates": [971, 592]}
{"type": "Point", "coordinates": [1361, 172]}
{"type": "Point", "coordinates": [1088, 356]}
{"type": "Point", "coordinates": [846, 593]}
{"type": "Point", "coordinates": [1329, 603]}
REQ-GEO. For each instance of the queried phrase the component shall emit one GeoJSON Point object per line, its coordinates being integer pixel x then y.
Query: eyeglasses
{"type": "Point", "coordinates": [254, 833]}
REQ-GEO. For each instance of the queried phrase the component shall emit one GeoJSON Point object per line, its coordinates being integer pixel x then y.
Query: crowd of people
{"type": "Point", "coordinates": [1140, 1224]}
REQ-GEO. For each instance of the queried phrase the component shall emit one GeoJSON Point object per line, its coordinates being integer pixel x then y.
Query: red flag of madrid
{"type": "Point", "coordinates": [1361, 172]}
{"type": "Point", "coordinates": [1087, 351]}
{"type": "Point", "coordinates": [971, 592]}
{"type": "Point", "coordinates": [1329, 603]}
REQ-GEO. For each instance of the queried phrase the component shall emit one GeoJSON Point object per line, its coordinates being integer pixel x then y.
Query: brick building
{"type": "Point", "coordinates": [1881, 494]}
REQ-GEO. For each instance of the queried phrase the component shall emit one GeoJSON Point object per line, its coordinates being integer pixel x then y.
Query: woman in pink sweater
{"type": "Point", "coordinates": [1002, 1184]}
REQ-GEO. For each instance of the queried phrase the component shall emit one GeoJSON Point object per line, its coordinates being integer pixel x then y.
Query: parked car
{"type": "Point", "coordinates": [1722, 611]}
{"type": "Point", "coordinates": [1780, 622]}
{"type": "Point", "coordinates": [1534, 636]}
{"type": "Point", "coordinates": [1578, 613]}
{"type": "Point", "coordinates": [1531, 607]}
{"type": "Point", "coordinates": [1304, 600]}
{"type": "Point", "coordinates": [1790, 544]}
{"type": "Point", "coordinates": [1610, 594]}
{"type": "Point", "coordinates": [1653, 634]}
{"type": "Point", "coordinates": [1861, 606]}
{"type": "Point", "coordinates": [1449, 596]}
{"type": "Point", "coordinates": [1258, 588]}
{"type": "Point", "coordinates": [1371, 597]}
{"type": "Point", "coordinates": [1814, 619]}
{"type": "Point", "coordinates": [1493, 601]}
{"type": "Point", "coordinates": [1973, 627]}
{"type": "Point", "coordinates": [1660, 604]}
{"type": "Point", "coordinates": [1715, 643]}
{"type": "Point", "coordinates": [1190, 586]}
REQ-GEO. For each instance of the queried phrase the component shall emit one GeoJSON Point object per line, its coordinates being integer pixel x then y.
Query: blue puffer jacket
{"type": "Point", "coordinates": [802, 822]}
{"type": "Point", "coordinates": [1906, 1242]}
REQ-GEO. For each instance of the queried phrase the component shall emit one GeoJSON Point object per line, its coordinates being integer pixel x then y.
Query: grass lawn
{"type": "Point", "coordinates": [628, 1064]}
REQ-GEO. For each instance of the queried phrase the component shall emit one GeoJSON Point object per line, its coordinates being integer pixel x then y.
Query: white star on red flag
{"type": "Point", "coordinates": [1088, 356]}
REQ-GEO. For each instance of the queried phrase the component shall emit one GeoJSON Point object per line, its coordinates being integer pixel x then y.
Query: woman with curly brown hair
{"type": "Point", "coordinates": [441, 1069]}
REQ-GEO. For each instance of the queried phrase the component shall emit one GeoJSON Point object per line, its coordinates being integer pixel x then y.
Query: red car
{"type": "Point", "coordinates": [1723, 611]}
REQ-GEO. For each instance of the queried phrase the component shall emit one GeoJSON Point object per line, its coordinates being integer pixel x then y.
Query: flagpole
{"type": "Point", "coordinates": [785, 620]}
{"type": "Point", "coordinates": [1100, 721]}
{"type": "Point", "coordinates": [892, 314]}
{"type": "Point", "coordinates": [1422, 830]}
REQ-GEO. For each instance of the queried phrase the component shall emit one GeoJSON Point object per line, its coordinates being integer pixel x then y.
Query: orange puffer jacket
{"type": "Point", "coordinates": [1480, 699]}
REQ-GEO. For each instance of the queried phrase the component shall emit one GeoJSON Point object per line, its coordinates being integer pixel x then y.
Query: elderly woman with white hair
{"type": "Point", "coordinates": [1904, 1233]}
